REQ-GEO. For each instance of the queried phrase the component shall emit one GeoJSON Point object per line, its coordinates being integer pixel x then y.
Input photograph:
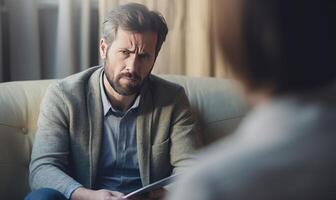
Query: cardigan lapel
{"type": "Point", "coordinates": [143, 133]}
{"type": "Point", "coordinates": [95, 122]}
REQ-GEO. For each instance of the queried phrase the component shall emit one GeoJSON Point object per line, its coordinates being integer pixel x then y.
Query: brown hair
{"type": "Point", "coordinates": [136, 18]}
{"type": "Point", "coordinates": [288, 44]}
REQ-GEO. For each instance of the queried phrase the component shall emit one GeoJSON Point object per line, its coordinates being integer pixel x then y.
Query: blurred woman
{"type": "Point", "coordinates": [283, 54]}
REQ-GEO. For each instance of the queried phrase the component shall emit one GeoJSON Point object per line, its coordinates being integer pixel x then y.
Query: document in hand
{"type": "Point", "coordinates": [153, 186]}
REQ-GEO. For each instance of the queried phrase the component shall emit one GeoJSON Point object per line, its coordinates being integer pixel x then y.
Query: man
{"type": "Point", "coordinates": [283, 54]}
{"type": "Point", "coordinates": [110, 130]}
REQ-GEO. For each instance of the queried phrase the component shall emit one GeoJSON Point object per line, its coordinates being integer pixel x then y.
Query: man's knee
{"type": "Point", "coordinates": [45, 194]}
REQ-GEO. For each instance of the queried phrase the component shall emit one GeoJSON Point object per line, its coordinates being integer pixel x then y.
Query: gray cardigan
{"type": "Point", "coordinates": [69, 133]}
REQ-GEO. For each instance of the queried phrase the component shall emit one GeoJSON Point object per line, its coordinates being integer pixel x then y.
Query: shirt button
{"type": "Point", "coordinates": [24, 130]}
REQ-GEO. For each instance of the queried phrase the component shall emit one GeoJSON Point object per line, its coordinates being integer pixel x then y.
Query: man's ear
{"type": "Point", "coordinates": [103, 48]}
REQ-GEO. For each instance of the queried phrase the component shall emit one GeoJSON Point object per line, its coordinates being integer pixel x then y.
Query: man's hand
{"type": "Point", "coordinates": [85, 194]}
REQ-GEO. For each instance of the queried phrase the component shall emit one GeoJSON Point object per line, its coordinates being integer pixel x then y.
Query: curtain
{"type": "Point", "coordinates": [190, 47]}
{"type": "Point", "coordinates": [42, 39]}
{"type": "Point", "coordinates": [1, 45]}
{"type": "Point", "coordinates": [24, 40]}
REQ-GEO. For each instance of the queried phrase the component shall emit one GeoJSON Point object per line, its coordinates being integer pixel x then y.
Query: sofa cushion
{"type": "Point", "coordinates": [19, 108]}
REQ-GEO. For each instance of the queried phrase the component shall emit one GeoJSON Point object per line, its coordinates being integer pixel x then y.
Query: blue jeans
{"type": "Point", "coordinates": [45, 194]}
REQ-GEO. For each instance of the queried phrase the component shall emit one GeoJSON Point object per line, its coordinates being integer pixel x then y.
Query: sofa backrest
{"type": "Point", "coordinates": [215, 102]}
{"type": "Point", "coordinates": [218, 108]}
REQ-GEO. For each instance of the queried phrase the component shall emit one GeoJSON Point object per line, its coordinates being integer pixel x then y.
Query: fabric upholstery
{"type": "Point", "coordinates": [217, 106]}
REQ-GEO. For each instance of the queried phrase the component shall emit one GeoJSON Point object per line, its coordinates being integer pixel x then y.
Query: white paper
{"type": "Point", "coordinates": [153, 186]}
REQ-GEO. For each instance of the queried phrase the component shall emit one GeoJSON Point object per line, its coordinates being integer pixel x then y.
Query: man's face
{"type": "Point", "coordinates": [129, 60]}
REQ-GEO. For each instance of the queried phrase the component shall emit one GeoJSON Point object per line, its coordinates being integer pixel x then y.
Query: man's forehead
{"type": "Point", "coordinates": [139, 37]}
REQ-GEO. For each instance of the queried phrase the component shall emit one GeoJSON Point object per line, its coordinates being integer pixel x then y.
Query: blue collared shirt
{"type": "Point", "coordinates": [118, 168]}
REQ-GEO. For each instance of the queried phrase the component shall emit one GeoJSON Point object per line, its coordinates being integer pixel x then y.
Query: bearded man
{"type": "Point", "coordinates": [112, 129]}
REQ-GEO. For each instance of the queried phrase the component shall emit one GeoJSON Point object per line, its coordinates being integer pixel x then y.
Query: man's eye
{"type": "Point", "coordinates": [124, 52]}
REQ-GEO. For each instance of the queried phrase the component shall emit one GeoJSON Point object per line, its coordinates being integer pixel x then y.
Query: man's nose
{"type": "Point", "coordinates": [133, 63]}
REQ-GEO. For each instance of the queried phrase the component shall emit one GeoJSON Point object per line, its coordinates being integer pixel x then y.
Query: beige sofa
{"type": "Point", "coordinates": [218, 108]}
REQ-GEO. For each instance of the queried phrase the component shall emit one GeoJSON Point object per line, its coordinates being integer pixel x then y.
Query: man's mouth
{"type": "Point", "coordinates": [130, 78]}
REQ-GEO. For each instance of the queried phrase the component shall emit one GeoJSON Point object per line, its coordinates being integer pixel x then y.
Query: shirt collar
{"type": "Point", "coordinates": [106, 103]}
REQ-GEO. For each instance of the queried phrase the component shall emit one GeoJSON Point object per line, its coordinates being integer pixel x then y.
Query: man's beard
{"type": "Point", "coordinates": [131, 88]}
